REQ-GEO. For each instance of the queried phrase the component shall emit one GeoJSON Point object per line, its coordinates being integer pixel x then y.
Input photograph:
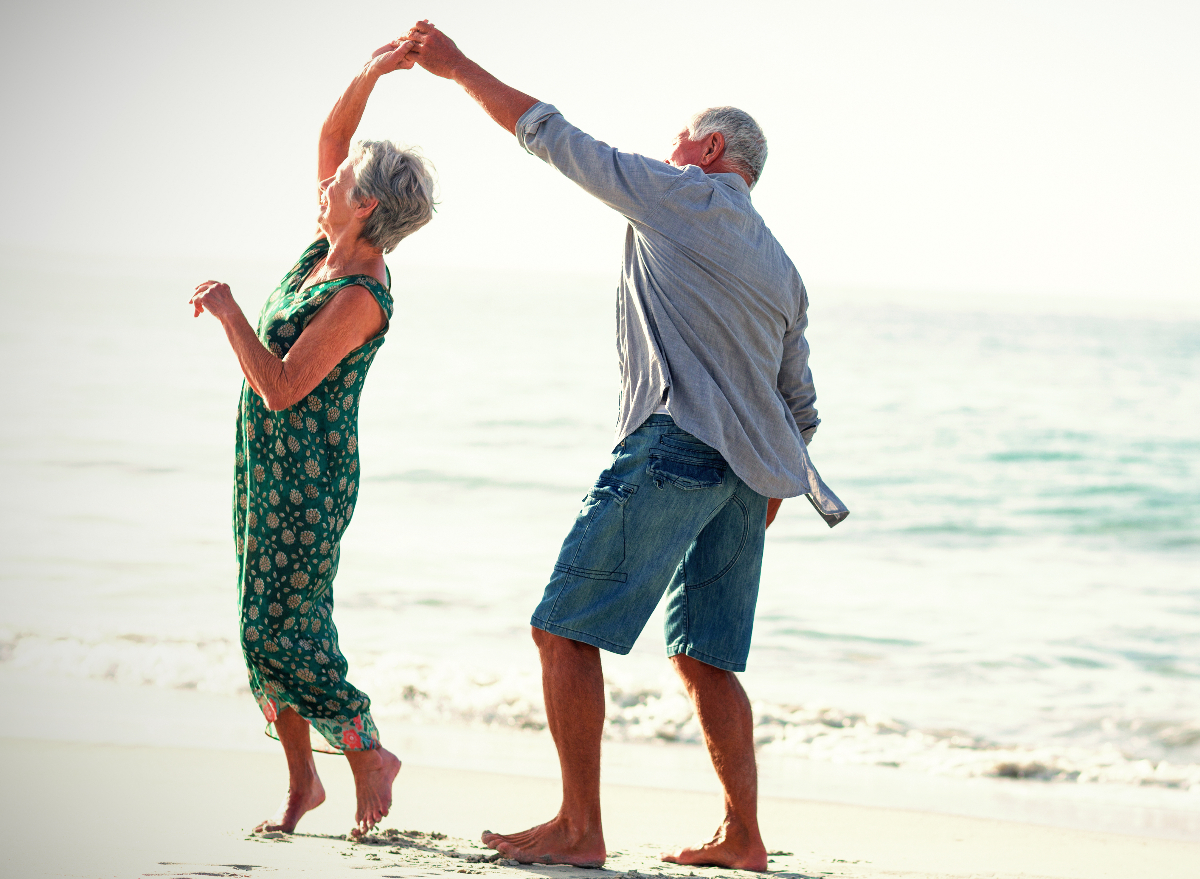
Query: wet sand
{"type": "Point", "coordinates": [97, 811]}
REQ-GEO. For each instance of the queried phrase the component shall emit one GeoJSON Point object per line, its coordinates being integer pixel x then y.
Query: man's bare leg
{"type": "Point", "coordinates": [723, 710]}
{"type": "Point", "coordinates": [573, 686]}
{"type": "Point", "coordinates": [374, 772]}
{"type": "Point", "coordinates": [304, 791]}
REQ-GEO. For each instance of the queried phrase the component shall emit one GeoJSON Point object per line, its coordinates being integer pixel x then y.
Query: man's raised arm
{"type": "Point", "coordinates": [631, 184]}
{"type": "Point", "coordinates": [437, 53]}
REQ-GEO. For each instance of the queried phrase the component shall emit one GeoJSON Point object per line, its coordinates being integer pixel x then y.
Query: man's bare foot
{"type": "Point", "coordinates": [304, 794]}
{"type": "Point", "coordinates": [374, 771]}
{"type": "Point", "coordinates": [551, 843]}
{"type": "Point", "coordinates": [728, 848]}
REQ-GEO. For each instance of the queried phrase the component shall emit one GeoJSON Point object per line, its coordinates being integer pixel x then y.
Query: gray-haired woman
{"type": "Point", "coordinates": [297, 447]}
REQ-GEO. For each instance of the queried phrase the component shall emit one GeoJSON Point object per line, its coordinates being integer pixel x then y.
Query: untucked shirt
{"type": "Point", "coordinates": [711, 312]}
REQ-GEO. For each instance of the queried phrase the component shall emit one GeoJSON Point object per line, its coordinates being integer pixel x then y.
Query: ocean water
{"type": "Point", "coordinates": [1016, 593]}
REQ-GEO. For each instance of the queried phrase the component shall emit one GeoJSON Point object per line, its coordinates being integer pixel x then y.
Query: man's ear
{"type": "Point", "coordinates": [365, 207]}
{"type": "Point", "coordinates": [713, 150]}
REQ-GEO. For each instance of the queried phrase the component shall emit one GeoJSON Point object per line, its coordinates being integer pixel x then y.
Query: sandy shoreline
{"type": "Point", "coordinates": [83, 810]}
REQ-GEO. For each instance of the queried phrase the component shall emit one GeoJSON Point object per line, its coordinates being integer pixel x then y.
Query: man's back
{"type": "Point", "coordinates": [711, 312]}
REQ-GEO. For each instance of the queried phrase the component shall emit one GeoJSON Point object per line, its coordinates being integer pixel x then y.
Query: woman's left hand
{"type": "Point", "coordinates": [393, 56]}
{"type": "Point", "coordinates": [215, 298]}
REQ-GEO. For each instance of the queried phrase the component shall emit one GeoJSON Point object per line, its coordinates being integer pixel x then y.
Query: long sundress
{"type": "Point", "coordinates": [297, 481]}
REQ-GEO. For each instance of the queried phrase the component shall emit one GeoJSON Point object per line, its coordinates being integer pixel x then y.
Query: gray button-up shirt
{"type": "Point", "coordinates": [710, 311]}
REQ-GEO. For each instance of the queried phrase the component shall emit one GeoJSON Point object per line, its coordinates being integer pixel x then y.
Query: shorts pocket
{"type": "Point", "coordinates": [686, 463]}
{"type": "Point", "coordinates": [595, 548]}
{"type": "Point", "coordinates": [611, 489]}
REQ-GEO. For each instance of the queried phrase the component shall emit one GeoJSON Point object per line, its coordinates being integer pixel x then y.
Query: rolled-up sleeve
{"type": "Point", "coordinates": [796, 381]}
{"type": "Point", "coordinates": [628, 183]}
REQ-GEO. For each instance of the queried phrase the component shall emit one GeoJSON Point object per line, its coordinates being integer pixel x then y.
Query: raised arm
{"type": "Point", "coordinates": [342, 121]}
{"type": "Point", "coordinates": [438, 54]}
{"type": "Point", "coordinates": [629, 183]}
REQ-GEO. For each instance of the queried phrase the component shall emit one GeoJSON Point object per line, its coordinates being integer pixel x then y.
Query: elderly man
{"type": "Point", "coordinates": [717, 406]}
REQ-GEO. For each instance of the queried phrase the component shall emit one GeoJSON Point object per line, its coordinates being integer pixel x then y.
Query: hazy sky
{"type": "Point", "coordinates": [955, 146]}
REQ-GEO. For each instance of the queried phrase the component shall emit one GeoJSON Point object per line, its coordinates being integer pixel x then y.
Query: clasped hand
{"type": "Point", "coordinates": [424, 44]}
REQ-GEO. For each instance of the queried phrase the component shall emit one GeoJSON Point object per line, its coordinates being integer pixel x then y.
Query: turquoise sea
{"type": "Point", "coordinates": [1016, 594]}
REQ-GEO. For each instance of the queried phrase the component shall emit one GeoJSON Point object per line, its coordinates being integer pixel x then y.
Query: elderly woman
{"type": "Point", "coordinates": [297, 447]}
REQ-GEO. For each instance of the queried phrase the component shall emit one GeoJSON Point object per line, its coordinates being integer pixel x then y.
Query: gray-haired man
{"type": "Point", "coordinates": [717, 406]}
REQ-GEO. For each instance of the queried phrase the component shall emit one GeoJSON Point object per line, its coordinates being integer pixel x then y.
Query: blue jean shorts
{"type": "Point", "coordinates": [668, 515]}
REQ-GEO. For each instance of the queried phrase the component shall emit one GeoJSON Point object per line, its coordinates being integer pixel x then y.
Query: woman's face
{"type": "Point", "coordinates": [336, 211]}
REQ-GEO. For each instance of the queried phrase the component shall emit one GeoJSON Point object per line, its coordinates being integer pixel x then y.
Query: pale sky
{"type": "Point", "coordinates": [953, 147]}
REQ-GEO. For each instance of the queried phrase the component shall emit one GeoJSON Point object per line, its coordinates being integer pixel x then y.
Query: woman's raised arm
{"type": "Point", "coordinates": [342, 121]}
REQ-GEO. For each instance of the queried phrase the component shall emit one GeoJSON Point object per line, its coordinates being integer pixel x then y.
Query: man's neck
{"type": "Point", "coordinates": [720, 166]}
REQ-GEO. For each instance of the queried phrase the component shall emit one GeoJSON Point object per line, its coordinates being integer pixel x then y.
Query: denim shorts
{"type": "Point", "coordinates": [668, 515]}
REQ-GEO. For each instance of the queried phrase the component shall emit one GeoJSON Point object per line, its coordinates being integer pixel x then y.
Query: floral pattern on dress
{"type": "Point", "coordinates": [296, 483]}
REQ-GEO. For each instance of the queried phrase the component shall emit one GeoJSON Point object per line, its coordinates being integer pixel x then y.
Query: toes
{"type": "Point", "coordinates": [507, 849]}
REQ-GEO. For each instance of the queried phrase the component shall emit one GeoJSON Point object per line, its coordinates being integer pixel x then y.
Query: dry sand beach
{"type": "Point", "coordinates": [81, 810]}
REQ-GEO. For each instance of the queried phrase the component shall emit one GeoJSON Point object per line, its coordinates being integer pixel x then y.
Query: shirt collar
{"type": "Point", "coordinates": [732, 180]}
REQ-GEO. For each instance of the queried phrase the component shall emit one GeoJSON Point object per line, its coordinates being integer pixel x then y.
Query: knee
{"type": "Point", "coordinates": [549, 643]}
{"type": "Point", "coordinates": [546, 641]}
{"type": "Point", "coordinates": [694, 671]}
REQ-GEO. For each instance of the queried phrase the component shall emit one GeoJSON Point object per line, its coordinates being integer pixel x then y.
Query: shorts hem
{"type": "Point", "coordinates": [585, 637]}
{"type": "Point", "coordinates": [723, 664]}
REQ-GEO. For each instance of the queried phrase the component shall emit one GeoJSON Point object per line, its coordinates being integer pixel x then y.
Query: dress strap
{"type": "Point", "coordinates": [312, 255]}
{"type": "Point", "coordinates": [378, 290]}
{"type": "Point", "coordinates": [381, 294]}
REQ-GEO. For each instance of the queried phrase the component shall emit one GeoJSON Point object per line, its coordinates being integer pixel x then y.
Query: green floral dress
{"type": "Point", "coordinates": [297, 481]}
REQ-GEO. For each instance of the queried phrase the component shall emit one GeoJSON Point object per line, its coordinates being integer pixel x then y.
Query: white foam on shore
{"type": "Point", "coordinates": [75, 709]}
{"type": "Point", "coordinates": [406, 690]}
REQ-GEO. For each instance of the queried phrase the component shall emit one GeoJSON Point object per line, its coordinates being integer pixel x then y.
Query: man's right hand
{"type": "Point", "coordinates": [437, 53]}
{"type": "Point", "coordinates": [434, 50]}
{"type": "Point", "coordinates": [773, 505]}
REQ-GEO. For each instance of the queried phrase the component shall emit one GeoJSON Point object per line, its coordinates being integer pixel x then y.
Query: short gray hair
{"type": "Point", "coordinates": [745, 143]}
{"type": "Point", "coordinates": [401, 181]}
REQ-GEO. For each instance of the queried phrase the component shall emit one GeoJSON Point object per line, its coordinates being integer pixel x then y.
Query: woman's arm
{"type": "Point", "coordinates": [342, 121]}
{"type": "Point", "coordinates": [350, 320]}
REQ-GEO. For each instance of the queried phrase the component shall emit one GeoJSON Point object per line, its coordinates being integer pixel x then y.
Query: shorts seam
{"type": "Point", "coordinates": [588, 574]}
{"type": "Point", "coordinates": [575, 635]}
{"type": "Point", "coordinates": [741, 546]}
{"type": "Point", "coordinates": [700, 655]}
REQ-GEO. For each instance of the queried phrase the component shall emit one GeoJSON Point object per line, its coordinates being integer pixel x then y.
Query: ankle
{"type": "Point", "coordinates": [303, 776]}
{"type": "Point", "coordinates": [366, 760]}
{"type": "Point", "coordinates": [582, 825]}
{"type": "Point", "coordinates": [741, 833]}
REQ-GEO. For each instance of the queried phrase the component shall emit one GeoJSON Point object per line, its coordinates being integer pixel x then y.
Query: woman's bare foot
{"type": "Point", "coordinates": [304, 794]}
{"type": "Point", "coordinates": [730, 847]}
{"type": "Point", "coordinates": [551, 843]}
{"type": "Point", "coordinates": [374, 771]}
